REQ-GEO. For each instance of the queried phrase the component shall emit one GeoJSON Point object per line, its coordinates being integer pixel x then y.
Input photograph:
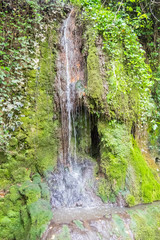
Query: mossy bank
{"type": "Point", "coordinates": [32, 148]}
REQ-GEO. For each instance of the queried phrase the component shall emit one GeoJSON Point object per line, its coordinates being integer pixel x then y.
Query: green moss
{"type": "Point", "coordinates": [13, 142]}
{"type": "Point", "coordinates": [114, 168]}
{"type": "Point", "coordinates": [65, 234]}
{"type": "Point", "coordinates": [33, 146]}
{"type": "Point", "coordinates": [79, 224]}
{"type": "Point", "coordinates": [130, 199]}
{"type": "Point", "coordinates": [25, 211]}
{"type": "Point", "coordinates": [40, 213]}
{"type": "Point", "coordinates": [21, 174]}
{"type": "Point", "coordinates": [32, 151]}
{"type": "Point", "coordinates": [124, 167]}
{"type": "Point", "coordinates": [25, 218]}
{"type": "Point", "coordinates": [31, 191]}
{"type": "Point", "coordinates": [115, 150]}
{"type": "Point", "coordinates": [145, 222]}
{"type": "Point", "coordinates": [45, 194]}
{"type": "Point", "coordinates": [124, 97]}
{"type": "Point", "coordinates": [20, 157]}
{"type": "Point", "coordinates": [103, 189]}
{"type": "Point", "coordinates": [120, 228]}
{"type": "Point", "coordinates": [141, 223]}
{"type": "Point", "coordinates": [4, 177]}
{"type": "Point", "coordinates": [5, 226]}
{"type": "Point", "coordinates": [36, 178]}
{"type": "Point", "coordinates": [38, 121]}
{"type": "Point", "coordinates": [147, 184]}
{"type": "Point", "coordinates": [95, 83]}
{"type": "Point", "coordinates": [144, 231]}
{"type": "Point", "coordinates": [11, 226]}
{"type": "Point", "coordinates": [14, 193]}
{"type": "Point", "coordinates": [3, 157]}
{"type": "Point", "coordinates": [83, 138]}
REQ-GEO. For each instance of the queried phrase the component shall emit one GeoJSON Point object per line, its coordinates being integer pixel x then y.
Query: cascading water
{"type": "Point", "coordinates": [69, 107]}
{"type": "Point", "coordinates": [72, 184]}
{"type": "Point", "coordinates": [69, 72]}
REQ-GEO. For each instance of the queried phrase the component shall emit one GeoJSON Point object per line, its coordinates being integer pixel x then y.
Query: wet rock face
{"type": "Point", "coordinates": [70, 70]}
{"type": "Point", "coordinates": [73, 186]}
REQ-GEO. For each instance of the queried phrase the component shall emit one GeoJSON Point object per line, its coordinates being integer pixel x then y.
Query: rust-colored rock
{"type": "Point", "coordinates": [70, 69]}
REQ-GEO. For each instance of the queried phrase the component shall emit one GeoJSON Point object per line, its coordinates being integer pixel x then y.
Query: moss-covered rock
{"type": "Point", "coordinates": [115, 150]}
{"type": "Point", "coordinates": [146, 187]}
{"type": "Point", "coordinates": [31, 191]}
{"type": "Point", "coordinates": [25, 211]}
{"type": "Point", "coordinates": [38, 123]}
{"type": "Point", "coordinates": [95, 84]}
{"type": "Point", "coordinates": [14, 193]}
{"type": "Point", "coordinates": [13, 142]}
{"type": "Point", "coordinates": [130, 200]}
{"type": "Point", "coordinates": [124, 167]}
{"type": "Point", "coordinates": [123, 96]}
{"type": "Point", "coordinates": [32, 151]}
{"type": "Point", "coordinates": [145, 222]}
{"type": "Point", "coordinates": [40, 213]}
{"type": "Point", "coordinates": [95, 90]}
{"type": "Point", "coordinates": [45, 194]}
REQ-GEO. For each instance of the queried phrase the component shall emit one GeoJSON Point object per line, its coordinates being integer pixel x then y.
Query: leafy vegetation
{"type": "Point", "coordinates": [17, 41]}
{"type": "Point", "coordinates": [21, 22]}
{"type": "Point", "coordinates": [127, 72]}
{"type": "Point", "coordinates": [28, 144]}
{"type": "Point", "coordinates": [129, 31]}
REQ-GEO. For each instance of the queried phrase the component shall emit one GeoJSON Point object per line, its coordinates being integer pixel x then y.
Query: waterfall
{"type": "Point", "coordinates": [70, 185]}
{"type": "Point", "coordinates": [68, 82]}
{"type": "Point", "coordinates": [70, 88]}
{"type": "Point", "coordinates": [70, 70]}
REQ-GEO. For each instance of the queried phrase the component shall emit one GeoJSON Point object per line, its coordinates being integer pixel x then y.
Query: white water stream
{"type": "Point", "coordinates": [68, 79]}
{"type": "Point", "coordinates": [72, 184]}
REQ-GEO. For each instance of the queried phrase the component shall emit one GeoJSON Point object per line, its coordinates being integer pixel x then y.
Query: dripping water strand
{"type": "Point", "coordinates": [75, 137]}
{"type": "Point", "coordinates": [68, 78]}
{"type": "Point", "coordinates": [70, 93]}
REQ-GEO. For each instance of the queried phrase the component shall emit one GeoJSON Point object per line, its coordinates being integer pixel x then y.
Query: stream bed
{"type": "Point", "coordinates": [103, 222]}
